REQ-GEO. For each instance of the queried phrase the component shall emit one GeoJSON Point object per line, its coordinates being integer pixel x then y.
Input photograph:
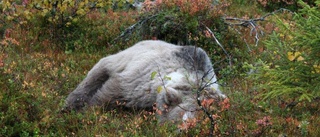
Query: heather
{"type": "Point", "coordinates": [266, 56]}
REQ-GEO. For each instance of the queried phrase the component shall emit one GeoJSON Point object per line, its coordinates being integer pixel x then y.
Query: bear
{"type": "Point", "coordinates": [149, 73]}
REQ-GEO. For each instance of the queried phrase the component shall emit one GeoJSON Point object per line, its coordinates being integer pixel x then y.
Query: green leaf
{"type": "Point", "coordinates": [153, 74]}
{"type": "Point", "coordinates": [167, 78]}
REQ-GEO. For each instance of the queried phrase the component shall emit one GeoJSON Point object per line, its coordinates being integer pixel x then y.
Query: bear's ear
{"type": "Point", "coordinates": [172, 97]}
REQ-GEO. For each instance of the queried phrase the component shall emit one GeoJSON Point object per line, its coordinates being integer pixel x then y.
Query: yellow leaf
{"type": "Point", "coordinates": [159, 89]}
{"type": "Point", "coordinates": [81, 4]}
{"type": "Point", "coordinates": [317, 68]}
{"type": "Point", "coordinates": [72, 3]}
{"type": "Point", "coordinates": [45, 2]}
{"type": "Point", "coordinates": [74, 19]}
{"type": "Point", "coordinates": [9, 18]}
{"type": "Point", "coordinates": [290, 56]}
{"type": "Point", "coordinates": [281, 35]}
{"type": "Point", "coordinates": [68, 24]}
{"type": "Point", "coordinates": [300, 58]}
{"type": "Point", "coordinates": [81, 12]}
{"type": "Point", "coordinates": [100, 5]}
{"type": "Point", "coordinates": [27, 14]}
{"type": "Point", "coordinates": [50, 19]}
{"type": "Point", "coordinates": [293, 55]}
{"type": "Point", "coordinates": [63, 8]}
{"type": "Point", "coordinates": [44, 12]}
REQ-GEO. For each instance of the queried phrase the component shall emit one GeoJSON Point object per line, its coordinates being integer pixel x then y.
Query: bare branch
{"type": "Point", "coordinates": [252, 23]}
{"type": "Point", "coordinates": [132, 28]}
{"type": "Point", "coordinates": [201, 87]}
{"type": "Point", "coordinates": [244, 22]}
{"type": "Point", "coordinates": [212, 121]}
{"type": "Point", "coordinates": [217, 41]}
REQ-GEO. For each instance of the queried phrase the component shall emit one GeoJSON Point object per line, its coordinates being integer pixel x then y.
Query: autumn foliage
{"type": "Point", "coordinates": [47, 47]}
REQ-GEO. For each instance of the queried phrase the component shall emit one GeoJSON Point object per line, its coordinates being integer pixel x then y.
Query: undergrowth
{"type": "Point", "coordinates": [37, 73]}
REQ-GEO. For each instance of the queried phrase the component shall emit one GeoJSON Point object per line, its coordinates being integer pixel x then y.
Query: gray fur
{"type": "Point", "coordinates": [125, 78]}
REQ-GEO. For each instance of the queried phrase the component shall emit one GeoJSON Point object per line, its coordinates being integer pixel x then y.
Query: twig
{"type": "Point", "coordinates": [201, 87]}
{"type": "Point", "coordinates": [252, 23]}
{"type": "Point", "coordinates": [212, 121]}
{"type": "Point", "coordinates": [131, 28]}
{"type": "Point", "coordinates": [162, 80]}
{"type": "Point", "coordinates": [245, 41]}
{"type": "Point", "coordinates": [244, 22]}
{"type": "Point", "coordinates": [217, 41]}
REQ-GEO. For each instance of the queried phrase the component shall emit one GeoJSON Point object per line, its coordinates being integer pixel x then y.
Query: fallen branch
{"type": "Point", "coordinates": [252, 23]}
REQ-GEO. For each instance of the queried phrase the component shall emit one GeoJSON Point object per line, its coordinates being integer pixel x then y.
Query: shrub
{"type": "Point", "coordinates": [180, 21]}
{"type": "Point", "coordinates": [67, 24]}
{"type": "Point", "coordinates": [190, 22]}
{"type": "Point", "coordinates": [290, 69]}
{"type": "Point", "coordinates": [271, 5]}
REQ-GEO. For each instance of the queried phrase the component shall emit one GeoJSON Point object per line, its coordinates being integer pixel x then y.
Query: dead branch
{"type": "Point", "coordinates": [132, 28]}
{"type": "Point", "coordinates": [252, 23]}
{"type": "Point", "coordinates": [217, 41]}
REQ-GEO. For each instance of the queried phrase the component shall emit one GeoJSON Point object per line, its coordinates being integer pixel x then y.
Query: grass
{"type": "Point", "coordinates": [35, 79]}
{"type": "Point", "coordinates": [35, 84]}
